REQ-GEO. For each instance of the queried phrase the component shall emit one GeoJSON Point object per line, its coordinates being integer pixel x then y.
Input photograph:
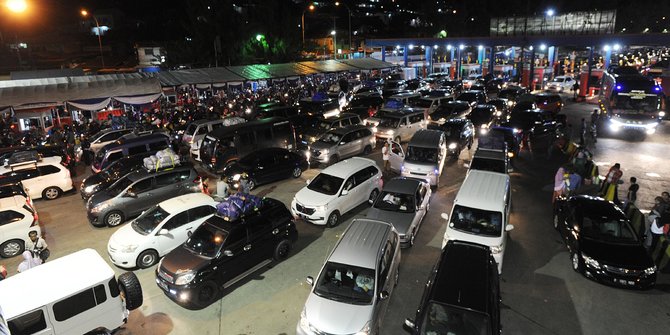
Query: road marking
{"type": "Point", "coordinates": [602, 163]}
{"type": "Point", "coordinates": [653, 174]}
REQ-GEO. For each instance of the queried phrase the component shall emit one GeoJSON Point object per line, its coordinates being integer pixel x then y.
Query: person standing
{"type": "Point", "coordinates": [37, 246]}
{"type": "Point", "coordinates": [28, 262]}
{"type": "Point", "coordinates": [385, 156]}
{"type": "Point", "coordinates": [632, 190]}
{"type": "Point", "coordinates": [559, 183]}
{"type": "Point", "coordinates": [610, 188]}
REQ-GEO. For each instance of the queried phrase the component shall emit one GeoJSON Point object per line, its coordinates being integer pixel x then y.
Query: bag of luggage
{"type": "Point", "coordinates": [162, 159]}
{"type": "Point", "coordinates": [238, 205]}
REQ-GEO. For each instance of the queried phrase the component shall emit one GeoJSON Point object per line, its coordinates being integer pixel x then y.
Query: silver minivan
{"type": "Point", "coordinates": [352, 291]}
{"type": "Point", "coordinates": [401, 125]}
{"type": "Point", "coordinates": [424, 157]}
{"type": "Point", "coordinates": [341, 143]}
{"type": "Point", "coordinates": [196, 131]}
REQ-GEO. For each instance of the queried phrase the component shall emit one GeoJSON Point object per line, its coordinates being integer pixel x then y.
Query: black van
{"type": "Point", "coordinates": [462, 295]}
{"type": "Point", "coordinates": [128, 146]}
{"type": "Point", "coordinates": [226, 145]}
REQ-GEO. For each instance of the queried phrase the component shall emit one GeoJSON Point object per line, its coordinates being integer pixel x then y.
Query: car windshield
{"type": "Point", "coordinates": [423, 103]}
{"type": "Point", "coordinates": [445, 319]}
{"type": "Point", "coordinates": [388, 122]}
{"type": "Point", "coordinates": [476, 221]}
{"type": "Point", "coordinates": [325, 183]}
{"type": "Point", "coordinates": [525, 119]}
{"type": "Point", "coordinates": [149, 220]}
{"type": "Point", "coordinates": [481, 115]}
{"type": "Point", "coordinates": [421, 155]}
{"type": "Point", "coordinates": [445, 111]}
{"type": "Point", "coordinates": [206, 240]}
{"type": "Point", "coordinates": [119, 186]}
{"type": "Point", "coordinates": [605, 229]}
{"type": "Point", "coordinates": [558, 80]}
{"type": "Point", "coordinates": [395, 202]}
{"type": "Point", "coordinates": [324, 125]}
{"type": "Point", "coordinates": [346, 283]}
{"type": "Point", "coordinates": [451, 130]}
{"type": "Point", "coordinates": [330, 138]}
{"type": "Point", "coordinates": [468, 96]}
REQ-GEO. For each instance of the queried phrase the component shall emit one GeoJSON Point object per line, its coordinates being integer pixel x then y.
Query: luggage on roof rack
{"type": "Point", "coordinates": [238, 205]}
{"type": "Point", "coordinates": [23, 157]}
{"type": "Point", "coordinates": [164, 159]}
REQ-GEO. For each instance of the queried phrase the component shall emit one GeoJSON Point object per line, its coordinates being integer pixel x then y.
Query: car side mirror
{"type": "Point", "coordinates": [445, 216]}
{"type": "Point", "coordinates": [308, 181]}
{"type": "Point", "coordinates": [131, 194]}
{"type": "Point", "coordinates": [383, 295]}
{"type": "Point", "coordinates": [228, 253]}
{"type": "Point", "coordinates": [310, 280]}
{"type": "Point", "coordinates": [163, 232]}
{"type": "Point", "coordinates": [466, 165]}
{"type": "Point", "coordinates": [509, 227]}
{"type": "Point", "coordinates": [189, 233]}
{"type": "Point", "coordinates": [344, 192]}
{"type": "Point", "coordinates": [409, 325]}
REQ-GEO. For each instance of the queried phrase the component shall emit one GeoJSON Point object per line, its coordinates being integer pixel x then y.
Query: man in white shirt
{"type": "Point", "coordinates": [385, 156]}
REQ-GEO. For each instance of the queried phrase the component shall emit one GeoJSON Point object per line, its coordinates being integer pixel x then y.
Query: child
{"type": "Point", "coordinates": [632, 190]}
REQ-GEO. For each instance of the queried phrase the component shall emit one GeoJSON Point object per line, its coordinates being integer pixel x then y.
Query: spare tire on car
{"type": "Point", "coordinates": [130, 286]}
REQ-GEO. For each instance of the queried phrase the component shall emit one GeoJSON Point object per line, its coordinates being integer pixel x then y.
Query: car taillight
{"type": "Point", "coordinates": [35, 218]}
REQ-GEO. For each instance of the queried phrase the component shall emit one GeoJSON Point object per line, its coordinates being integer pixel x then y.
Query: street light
{"type": "Point", "coordinates": [16, 6]}
{"type": "Point", "coordinates": [333, 33]}
{"type": "Point", "coordinates": [311, 8]}
{"type": "Point", "coordinates": [337, 3]}
{"type": "Point", "coordinates": [85, 13]}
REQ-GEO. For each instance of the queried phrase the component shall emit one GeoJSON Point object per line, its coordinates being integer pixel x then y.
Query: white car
{"type": "Point", "coordinates": [46, 178]}
{"type": "Point", "coordinates": [159, 230]}
{"type": "Point", "coordinates": [17, 219]}
{"type": "Point", "coordinates": [560, 84]}
{"type": "Point", "coordinates": [105, 137]}
{"type": "Point", "coordinates": [337, 190]}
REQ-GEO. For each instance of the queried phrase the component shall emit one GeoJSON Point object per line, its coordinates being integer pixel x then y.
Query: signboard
{"type": "Point", "coordinates": [575, 23]}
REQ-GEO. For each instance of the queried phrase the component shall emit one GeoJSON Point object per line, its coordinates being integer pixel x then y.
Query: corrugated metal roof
{"type": "Point", "coordinates": [330, 65]}
{"type": "Point", "coordinates": [198, 76]}
{"type": "Point", "coordinates": [251, 72]}
{"type": "Point", "coordinates": [367, 63]}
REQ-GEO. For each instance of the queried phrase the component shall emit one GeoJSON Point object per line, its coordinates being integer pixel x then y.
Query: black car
{"type": "Point", "coordinates": [473, 97]}
{"type": "Point", "coordinates": [502, 107]}
{"type": "Point", "coordinates": [602, 242]}
{"type": "Point", "coordinates": [450, 110]}
{"type": "Point", "coordinates": [320, 105]}
{"type": "Point", "coordinates": [483, 117]}
{"type": "Point", "coordinates": [494, 85]}
{"type": "Point", "coordinates": [455, 85]}
{"type": "Point", "coordinates": [220, 252]}
{"type": "Point", "coordinates": [511, 137]}
{"type": "Point", "coordinates": [538, 128]}
{"type": "Point", "coordinates": [524, 105]}
{"type": "Point", "coordinates": [110, 174]}
{"type": "Point", "coordinates": [462, 294]}
{"type": "Point", "coordinates": [268, 165]}
{"type": "Point", "coordinates": [512, 92]}
{"type": "Point", "coordinates": [366, 100]}
{"type": "Point", "coordinates": [460, 134]}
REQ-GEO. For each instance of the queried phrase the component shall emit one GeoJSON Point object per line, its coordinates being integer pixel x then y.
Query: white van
{"type": "Point", "coordinates": [481, 212]}
{"type": "Point", "coordinates": [196, 131]}
{"type": "Point", "coordinates": [74, 294]}
{"type": "Point", "coordinates": [424, 157]}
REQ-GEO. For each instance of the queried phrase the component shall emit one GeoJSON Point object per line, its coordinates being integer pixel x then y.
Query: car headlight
{"type": "Point", "coordinates": [650, 271]}
{"type": "Point", "coordinates": [365, 330]}
{"type": "Point", "coordinates": [321, 208]}
{"type": "Point", "coordinates": [651, 125]}
{"type": "Point", "coordinates": [498, 113]}
{"type": "Point", "coordinates": [312, 139]}
{"type": "Point", "coordinates": [304, 323]}
{"type": "Point", "coordinates": [389, 132]}
{"type": "Point", "coordinates": [90, 188]}
{"type": "Point", "coordinates": [661, 114]}
{"type": "Point", "coordinates": [185, 278]}
{"type": "Point", "coordinates": [496, 249]}
{"type": "Point", "coordinates": [99, 208]}
{"type": "Point", "coordinates": [452, 146]}
{"type": "Point", "coordinates": [590, 262]}
{"type": "Point", "coordinates": [129, 248]}
{"type": "Point", "coordinates": [325, 151]}
{"type": "Point", "coordinates": [374, 129]}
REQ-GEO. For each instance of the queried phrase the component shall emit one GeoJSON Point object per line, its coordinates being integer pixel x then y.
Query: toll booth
{"type": "Point", "coordinates": [503, 71]}
{"type": "Point", "coordinates": [589, 87]}
{"type": "Point", "coordinates": [541, 74]}
{"type": "Point", "coordinates": [468, 70]}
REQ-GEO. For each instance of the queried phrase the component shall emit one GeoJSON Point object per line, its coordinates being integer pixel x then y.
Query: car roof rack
{"type": "Point", "coordinates": [23, 158]}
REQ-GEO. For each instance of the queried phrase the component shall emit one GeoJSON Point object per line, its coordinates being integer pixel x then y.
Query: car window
{"type": "Point", "coordinates": [345, 122]}
{"type": "Point", "coordinates": [167, 179]}
{"type": "Point", "coordinates": [266, 161]}
{"type": "Point", "coordinates": [138, 149]}
{"type": "Point", "coordinates": [202, 130]}
{"type": "Point", "coordinates": [257, 225]}
{"type": "Point", "coordinates": [347, 138]}
{"type": "Point", "coordinates": [349, 184]}
{"type": "Point", "coordinates": [416, 118]}
{"type": "Point", "coordinates": [29, 323]}
{"type": "Point", "coordinates": [346, 283]}
{"type": "Point", "coordinates": [141, 186]}
{"type": "Point", "coordinates": [385, 265]}
{"type": "Point", "coordinates": [365, 133]}
{"type": "Point", "coordinates": [177, 221]}
{"type": "Point", "coordinates": [363, 175]}
{"type": "Point", "coordinates": [115, 156]}
{"type": "Point", "coordinates": [156, 146]}
{"type": "Point", "coordinates": [10, 216]}
{"type": "Point", "coordinates": [200, 212]}
{"type": "Point", "coordinates": [47, 170]}
{"type": "Point", "coordinates": [183, 175]}
{"type": "Point", "coordinates": [236, 238]}
{"type": "Point", "coordinates": [22, 174]}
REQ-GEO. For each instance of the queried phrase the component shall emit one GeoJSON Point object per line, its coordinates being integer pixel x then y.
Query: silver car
{"type": "Point", "coordinates": [341, 143]}
{"type": "Point", "coordinates": [403, 202]}
{"type": "Point", "coordinates": [352, 291]}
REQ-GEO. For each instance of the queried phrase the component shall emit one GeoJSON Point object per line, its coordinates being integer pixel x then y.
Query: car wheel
{"type": "Point", "coordinates": [251, 183]}
{"type": "Point", "coordinates": [130, 287]}
{"type": "Point", "coordinates": [282, 250]}
{"type": "Point", "coordinates": [373, 196]}
{"type": "Point", "coordinates": [208, 293]}
{"type": "Point", "coordinates": [397, 139]}
{"type": "Point", "coordinates": [333, 219]}
{"type": "Point", "coordinates": [11, 248]}
{"type": "Point", "coordinates": [297, 172]}
{"type": "Point", "coordinates": [51, 193]}
{"type": "Point", "coordinates": [367, 150]}
{"type": "Point", "coordinates": [147, 258]}
{"type": "Point", "coordinates": [114, 218]}
{"type": "Point", "coordinates": [576, 262]}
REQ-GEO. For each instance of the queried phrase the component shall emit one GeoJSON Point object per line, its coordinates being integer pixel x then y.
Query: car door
{"type": "Point", "coordinates": [348, 200]}
{"type": "Point", "coordinates": [31, 181]}
{"type": "Point", "coordinates": [422, 197]}
{"type": "Point", "coordinates": [385, 282]}
{"type": "Point", "coordinates": [284, 164]}
{"type": "Point", "coordinates": [167, 185]}
{"type": "Point", "coordinates": [396, 156]}
{"type": "Point", "coordinates": [237, 262]}
{"type": "Point", "coordinates": [177, 232]}
{"type": "Point", "coordinates": [348, 145]}
{"type": "Point", "coordinates": [139, 197]}
{"type": "Point", "coordinates": [261, 237]}
{"type": "Point", "coordinates": [265, 170]}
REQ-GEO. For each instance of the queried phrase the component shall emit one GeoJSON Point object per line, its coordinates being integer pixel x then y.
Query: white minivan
{"type": "Point", "coordinates": [424, 157]}
{"type": "Point", "coordinates": [17, 218]}
{"type": "Point", "coordinates": [158, 230]}
{"type": "Point", "coordinates": [70, 295]}
{"type": "Point", "coordinates": [481, 212]}
{"type": "Point", "coordinates": [338, 189]}
{"type": "Point", "coordinates": [45, 178]}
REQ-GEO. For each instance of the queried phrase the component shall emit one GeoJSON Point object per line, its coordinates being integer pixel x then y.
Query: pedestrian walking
{"type": "Point", "coordinates": [632, 191]}
{"type": "Point", "coordinates": [575, 90]}
{"type": "Point", "coordinates": [559, 183]}
{"type": "Point", "coordinates": [610, 188]}
{"type": "Point", "coordinates": [385, 156]}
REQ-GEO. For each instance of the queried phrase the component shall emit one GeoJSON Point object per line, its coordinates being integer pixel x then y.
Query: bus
{"type": "Point", "coordinates": [629, 100]}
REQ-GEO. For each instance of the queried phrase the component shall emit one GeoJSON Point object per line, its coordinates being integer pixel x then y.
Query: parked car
{"type": "Point", "coordinates": [403, 202]}
{"type": "Point", "coordinates": [603, 244]}
{"type": "Point", "coordinates": [198, 129]}
{"type": "Point", "coordinates": [502, 107]}
{"type": "Point", "coordinates": [400, 125]}
{"type": "Point", "coordinates": [483, 117]}
{"type": "Point", "coordinates": [6, 154]}
{"type": "Point", "coordinates": [320, 105]}
{"type": "Point", "coordinates": [104, 137]}
{"type": "Point", "coordinates": [100, 181]}
{"type": "Point", "coordinates": [406, 98]}
{"type": "Point", "coordinates": [491, 159]}
{"type": "Point", "coordinates": [139, 190]}
{"type": "Point", "coordinates": [159, 230]}
{"type": "Point", "coordinates": [336, 190]}
{"type": "Point", "coordinates": [392, 87]}
{"type": "Point", "coordinates": [367, 99]}
{"type": "Point", "coordinates": [320, 126]}
{"type": "Point", "coordinates": [549, 101]}
{"type": "Point", "coordinates": [341, 143]}
{"type": "Point", "coordinates": [17, 218]}
{"type": "Point", "coordinates": [424, 157]}
{"type": "Point", "coordinates": [463, 270]}
{"type": "Point", "coordinates": [432, 103]}
{"type": "Point", "coordinates": [267, 165]}
{"type": "Point", "coordinates": [126, 147]}
{"type": "Point", "coordinates": [460, 134]}
{"type": "Point", "coordinates": [352, 291]}
{"type": "Point", "coordinates": [537, 128]}
{"type": "Point", "coordinates": [455, 85]}
{"type": "Point", "coordinates": [511, 137]}
{"type": "Point", "coordinates": [220, 253]}
{"type": "Point", "coordinates": [560, 84]}
{"type": "Point", "coordinates": [473, 97]}
{"type": "Point", "coordinates": [45, 178]}
{"type": "Point", "coordinates": [450, 110]}
{"type": "Point", "coordinates": [512, 93]}
{"type": "Point", "coordinates": [10, 187]}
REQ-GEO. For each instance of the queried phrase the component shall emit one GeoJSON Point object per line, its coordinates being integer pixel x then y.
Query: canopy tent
{"type": "Point", "coordinates": [211, 75]}
{"type": "Point", "coordinates": [142, 88]}
{"type": "Point", "coordinates": [329, 66]}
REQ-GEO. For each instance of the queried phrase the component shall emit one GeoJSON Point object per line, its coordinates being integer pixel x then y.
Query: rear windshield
{"type": "Point", "coordinates": [445, 319]}
{"type": "Point", "coordinates": [476, 221]}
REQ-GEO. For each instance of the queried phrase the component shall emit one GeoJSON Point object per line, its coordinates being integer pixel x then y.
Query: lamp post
{"type": "Point", "coordinates": [334, 33]}
{"type": "Point", "coordinates": [302, 25]}
{"type": "Point", "coordinates": [85, 13]}
{"type": "Point", "coordinates": [337, 3]}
